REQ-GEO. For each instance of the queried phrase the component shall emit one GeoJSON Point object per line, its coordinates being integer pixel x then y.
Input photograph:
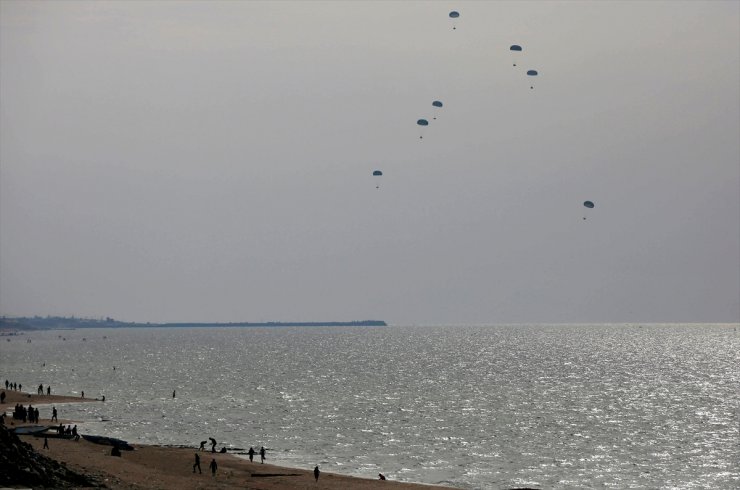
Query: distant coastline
{"type": "Point", "coordinates": [66, 323]}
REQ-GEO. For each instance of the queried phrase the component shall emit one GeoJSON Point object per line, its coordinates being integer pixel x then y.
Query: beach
{"type": "Point", "coordinates": [172, 467]}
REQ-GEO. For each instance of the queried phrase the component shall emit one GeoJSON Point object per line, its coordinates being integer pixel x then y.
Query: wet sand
{"type": "Point", "coordinates": [13, 397]}
{"type": "Point", "coordinates": [168, 467]}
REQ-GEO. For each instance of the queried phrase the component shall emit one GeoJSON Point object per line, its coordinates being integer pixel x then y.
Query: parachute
{"type": "Point", "coordinates": [515, 52]}
{"type": "Point", "coordinates": [422, 123]}
{"type": "Point", "coordinates": [454, 15]}
{"type": "Point", "coordinates": [532, 73]}
{"type": "Point", "coordinates": [437, 105]}
{"type": "Point", "coordinates": [587, 205]}
{"type": "Point", "coordinates": [377, 174]}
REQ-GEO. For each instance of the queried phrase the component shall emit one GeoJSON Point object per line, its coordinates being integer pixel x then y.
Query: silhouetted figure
{"type": "Point", "coordinates": [54, 414]}
{"type": "Point", "coordinates": [197, 463]}
{"type": "Point", "coordinates": [262, 454]}
{"type": "Point", "coordinates": [48, 390]}
{"type": "Point", "coordinates": [2, 397]}
{"type": "Point", "coordinates": [40, 391]}
{"type": "Point", "coordinates": [173, 394]}
{"type": "Point", "coordinates": [115, 451]}
{"type": "Point", "coordinates": [213, 444]}
{"type": "Point", "coordinates": [82, 395]}
{"type": "Point", "coordinates": [381, 476]}
{"type": "Point", "coordinates": [213, 466]}
{"type": "Point", "coordinates": [223, 450]}
{"type": "Point", "coordinates": [46, 442]}
{"type": "Point", "coordinates": [251, 454]}
{"type": "Point", "coordinates": [202, 446]}
{"type": "Point", "coordinates": [316, 473]}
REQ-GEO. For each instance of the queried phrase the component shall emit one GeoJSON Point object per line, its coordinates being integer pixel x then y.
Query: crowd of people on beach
{"type": "Point", "coordinates": [68, 431]}
{"type": "Point", "coordinates": [13, 386]}
{"type": "Point", "coordinates": [19, 387]}
{"type": "Point", "coordinates": [40, 390]}
{"type": "Point", "coordinates": [213, 465]}
{"type": "Point", "coordinates": [29, 414]}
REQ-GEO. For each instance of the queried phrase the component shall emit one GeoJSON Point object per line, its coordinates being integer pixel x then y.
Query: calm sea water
{"type": "Point", "coordinates": [558, 406]}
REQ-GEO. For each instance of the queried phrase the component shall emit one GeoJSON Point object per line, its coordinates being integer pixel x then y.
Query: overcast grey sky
{"type": "Point", "coordinates": [206, 161]}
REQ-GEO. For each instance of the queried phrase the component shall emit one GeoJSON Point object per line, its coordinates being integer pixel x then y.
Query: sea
{"type": "Point", "coordinates": [653, 406]}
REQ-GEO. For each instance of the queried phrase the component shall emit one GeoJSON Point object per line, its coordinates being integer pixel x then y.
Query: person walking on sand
{"type": "Point", "coordinates": [197, 464]}
{"type": "Point", "coordinates": [46, 442]}
{"type": "Point", "coordinates": [262, 454]}
{"type": "Point", "coordinates": [316, 473]}
{"type": "Point", "coordinates": [54, 413]}
{"type": "Point", "coordinates": [251, 454]}
{"type": "Point", "coordinates": [213, 467]}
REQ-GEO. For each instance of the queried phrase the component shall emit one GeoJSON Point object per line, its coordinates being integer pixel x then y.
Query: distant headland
{"type": "Point", "coordinates": [57, 322]}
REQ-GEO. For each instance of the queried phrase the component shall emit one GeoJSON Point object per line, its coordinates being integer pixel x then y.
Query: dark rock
{"type": "Point", "coordinates": [23, 466]}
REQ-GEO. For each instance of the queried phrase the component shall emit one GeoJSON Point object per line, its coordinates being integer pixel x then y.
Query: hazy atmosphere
{"type": "Point", "coordinates": [212, 161]}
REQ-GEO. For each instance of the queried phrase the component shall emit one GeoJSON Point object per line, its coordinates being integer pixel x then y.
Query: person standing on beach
{"type": "Point", "coordinates": [213, 467]}
{"type": "Point", "coordinates": [251, 454]}
{"type": "Point", "coordinates": [173, 393]}
{"type": "Point", "coordinates": [48, 390]}
{"type": "Point", "coordinates": [197, 464]}
{"type": "Point", "coordinates": [2, 397]}
{"type": "Point", "coordinates": [46, 442]}
{"type": "Point", "coordinates": [83, 395]}
{"type": "Point", "coordinates": [54, 413]}
{"type": "Point", "coordinates": [262, 454]}
{"type": "Point", "coordinates": [316, 473]}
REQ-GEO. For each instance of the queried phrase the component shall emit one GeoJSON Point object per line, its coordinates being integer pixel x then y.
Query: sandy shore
{"type": "Point", "coordinates": [13, 397]}
{"type": "Point", "coordinates": [167, 467]}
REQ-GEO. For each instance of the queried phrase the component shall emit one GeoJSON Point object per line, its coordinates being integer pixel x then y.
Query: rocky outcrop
{"type": "Point", "coordinates": [21, 465]}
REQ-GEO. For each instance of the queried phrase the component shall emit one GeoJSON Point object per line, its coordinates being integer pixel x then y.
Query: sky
{"type": "Point", "coordinates": [212, 161]}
